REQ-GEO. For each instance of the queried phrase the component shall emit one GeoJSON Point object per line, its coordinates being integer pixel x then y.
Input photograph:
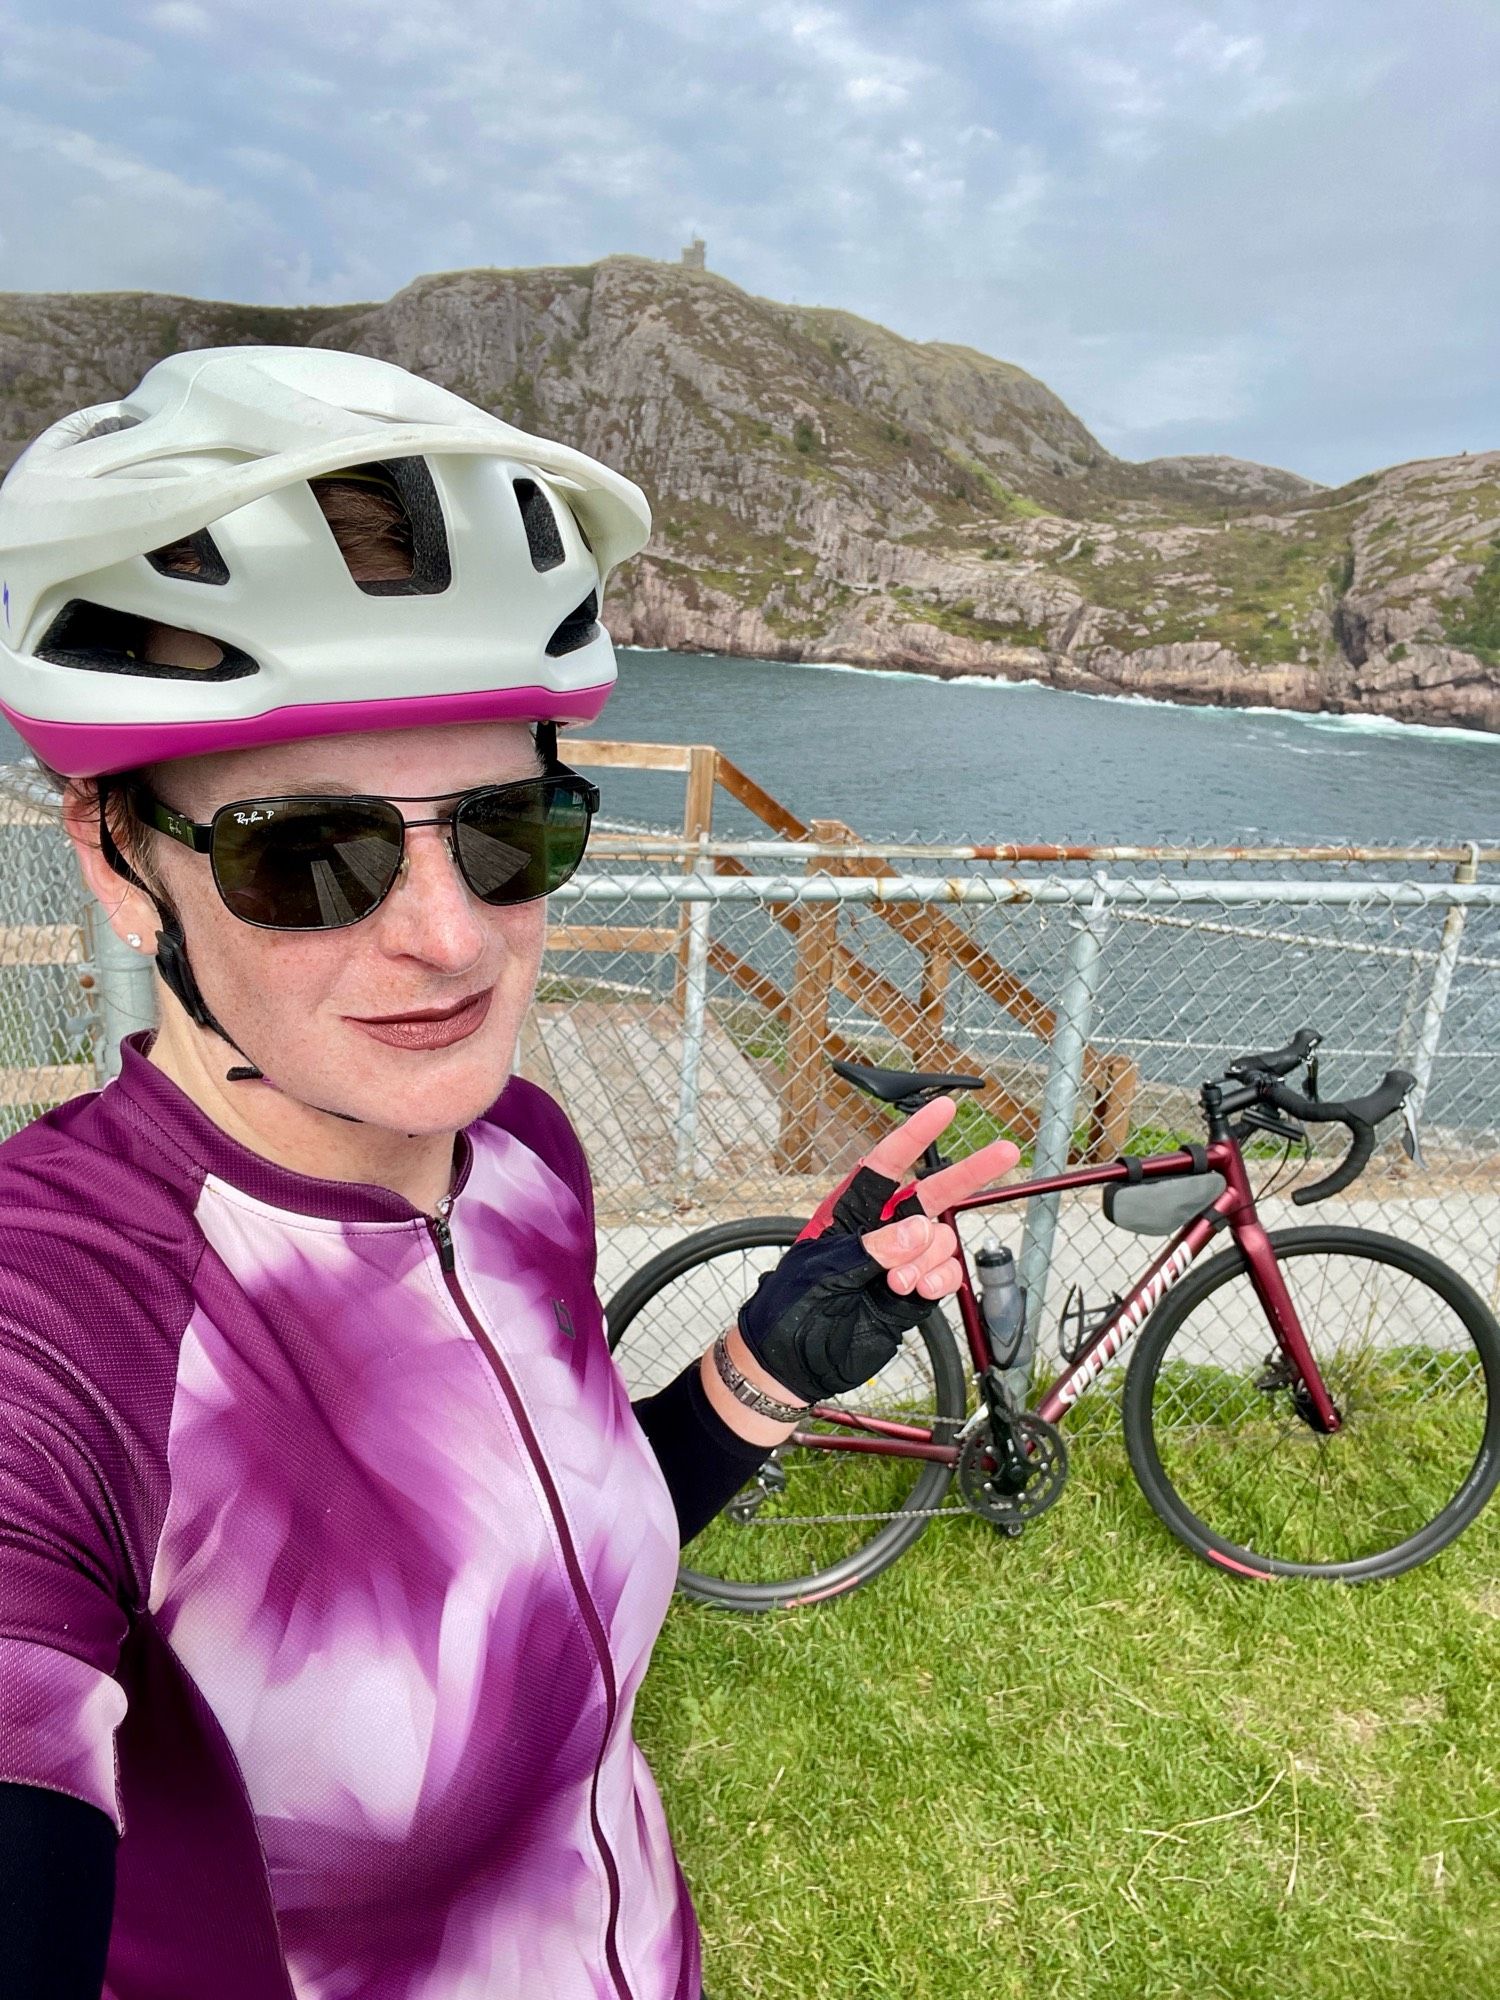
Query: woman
{"type": "Point", "coordinates": [332, 1551]}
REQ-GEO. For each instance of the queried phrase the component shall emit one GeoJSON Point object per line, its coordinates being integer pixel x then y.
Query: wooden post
{"type": "Point", "coordinates": [807, 1030]}
{"type": "Point", "coordinates": [1109, 1127]}
{"type": "Point", "coordinates": [936, 966]}
{"type": "Point", "coordinates": [697, 822]}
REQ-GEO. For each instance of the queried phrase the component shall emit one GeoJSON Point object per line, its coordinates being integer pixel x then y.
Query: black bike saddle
{"type": "Point", "coordinates": [894, 1086]}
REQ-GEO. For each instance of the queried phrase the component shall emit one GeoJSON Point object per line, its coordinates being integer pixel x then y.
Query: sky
{"type": "Point", "coordinates": [1263, 227]}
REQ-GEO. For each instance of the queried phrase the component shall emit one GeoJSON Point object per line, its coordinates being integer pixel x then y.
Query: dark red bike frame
{"type": "Point", "coordinates": [1234, 1210]}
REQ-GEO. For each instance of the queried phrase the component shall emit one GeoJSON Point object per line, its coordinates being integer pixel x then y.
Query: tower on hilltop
{"type": "Point", "coordinates": [694, 254]}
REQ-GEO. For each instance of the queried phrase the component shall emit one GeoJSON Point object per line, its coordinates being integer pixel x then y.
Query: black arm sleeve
{"type": "Point", "coordinates": [703, 1460]}
{"type": "Point", "coordinates": [57, 1894]}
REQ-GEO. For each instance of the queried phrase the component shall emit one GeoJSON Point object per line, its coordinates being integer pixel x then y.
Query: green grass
{"type": "Point", "coordinates": [1475, 622]}
{"type": "Point", "coordinates": [1261, 593]}
{"type": "Point", "coordinates": [1005, 499]}
{"type": "Point", "coordinates": [1085, 1765]}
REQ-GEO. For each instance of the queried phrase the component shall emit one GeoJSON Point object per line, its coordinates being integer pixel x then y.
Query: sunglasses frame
{"type": "Point", "coordinates": [199, 836]}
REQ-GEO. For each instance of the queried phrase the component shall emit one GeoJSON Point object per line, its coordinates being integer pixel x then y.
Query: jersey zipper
{"type": "Point", "coordinates": [442, 1235]}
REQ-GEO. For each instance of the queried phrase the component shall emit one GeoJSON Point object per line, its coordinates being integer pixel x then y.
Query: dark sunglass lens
{"type": "Point", "coordinates": [523, 841]}
{"type": "Point", "coordinates": [305, 865]}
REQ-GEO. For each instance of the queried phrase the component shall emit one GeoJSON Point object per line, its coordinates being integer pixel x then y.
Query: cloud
{"type": "Point", "coordinates": [97, 160]}
{"type": "Point", "coordinates": [89, 65]}
{"type": "Point", "coordinates": [875, 90]}
{"type": "Point", "coordinates": [857, 64]}
{"type": "Point", "coordinates": [181, 17]}
{"type": "Point", "coordinates": [261, 163]}
{"type": "Point", "coordinates": [1211, 385]}
{"type": "Point", "coordinates": [146, 226]}
{"type": "Point", "coordinates": [1134, 71]}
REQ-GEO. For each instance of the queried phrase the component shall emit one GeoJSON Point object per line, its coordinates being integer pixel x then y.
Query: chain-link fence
{"type": "Point", "coordinates": [47, 988]}
{"type": "Point", "coordinates": [694, 991]}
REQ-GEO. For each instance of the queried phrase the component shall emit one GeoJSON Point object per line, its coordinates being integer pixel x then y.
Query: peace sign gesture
{"type": "Point", "coordinates": [869, 1264]}
{"type": "Point", "coordinates": [917, 1254]}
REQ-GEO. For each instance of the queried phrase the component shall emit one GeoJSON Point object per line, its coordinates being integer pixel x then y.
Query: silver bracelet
{"type": "Point", "coordinates": [746, 1392]}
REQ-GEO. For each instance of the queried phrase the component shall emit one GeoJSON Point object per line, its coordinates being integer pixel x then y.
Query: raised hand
{"type": "Point", "coordinates": [869, 1265]}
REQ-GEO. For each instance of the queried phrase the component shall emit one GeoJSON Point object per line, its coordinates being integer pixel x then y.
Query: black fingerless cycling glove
{"type": "Point", "coordinates": [825, 1319]}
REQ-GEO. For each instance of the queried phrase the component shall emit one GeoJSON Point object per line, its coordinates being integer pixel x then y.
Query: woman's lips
{"type": "Point", "coordinates": [431, 1034]}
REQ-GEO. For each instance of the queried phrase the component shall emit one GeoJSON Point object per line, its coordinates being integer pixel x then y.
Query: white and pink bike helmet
{"type": "Point", "coordinates": [513, 540]}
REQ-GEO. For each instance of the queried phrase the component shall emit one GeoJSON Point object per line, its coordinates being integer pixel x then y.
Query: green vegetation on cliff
{"type": "Point", "coordinates": [1474, 623]}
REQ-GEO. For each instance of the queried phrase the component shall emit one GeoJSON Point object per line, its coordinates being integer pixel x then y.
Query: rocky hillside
{"type": "Point", "coordinates": [827, 490]}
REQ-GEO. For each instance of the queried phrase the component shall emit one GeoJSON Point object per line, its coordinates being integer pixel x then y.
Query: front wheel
{"type": "Point", "coordinates": [811, 1523]}
{"type": "Point", "coordinates": [1221, 1441]}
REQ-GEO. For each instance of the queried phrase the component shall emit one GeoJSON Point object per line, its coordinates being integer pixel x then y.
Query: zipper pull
{"type": "Point", "coordinates": [442, 1235]}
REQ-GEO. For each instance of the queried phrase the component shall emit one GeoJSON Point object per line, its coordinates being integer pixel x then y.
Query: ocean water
{"type": "Point", "coordinates": [900, 755]}
{"type": "Point", "coordinates": [897, 755]}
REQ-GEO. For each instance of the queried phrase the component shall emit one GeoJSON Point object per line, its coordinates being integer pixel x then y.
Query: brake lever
{"type": "Point", "coordinates": [1312, 1078]}
{"type": "Point", "coordinates": [1411, 1143]}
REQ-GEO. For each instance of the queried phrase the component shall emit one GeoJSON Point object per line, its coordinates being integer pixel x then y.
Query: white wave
{"type": "Point", "coordinates": [1324, 719]}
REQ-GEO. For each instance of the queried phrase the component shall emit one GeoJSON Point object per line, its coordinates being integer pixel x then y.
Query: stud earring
{"type": "Point", "coordinates": [133, 939]}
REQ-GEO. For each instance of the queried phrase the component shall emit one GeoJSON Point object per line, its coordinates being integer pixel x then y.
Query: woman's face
{"type": "Point", "coordinates": [294, 1000]}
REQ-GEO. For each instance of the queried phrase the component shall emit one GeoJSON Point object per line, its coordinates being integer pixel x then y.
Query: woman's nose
{"type": "Point", "coordinates": [430, 913]}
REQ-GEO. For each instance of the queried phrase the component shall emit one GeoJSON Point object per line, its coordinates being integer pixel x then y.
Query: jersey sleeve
{"type": "Point", "coordinates": [703, 1460]}
{"type": "Point", "coordinates": [57, 1892]}
{"type": "Point", "coordinates": [63, 1583]}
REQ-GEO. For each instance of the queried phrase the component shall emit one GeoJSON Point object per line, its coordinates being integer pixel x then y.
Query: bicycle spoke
{"type": "Point", "coordinates": [808, 1513]}
{"type": "Point", "coordinates": [1402, 1367]}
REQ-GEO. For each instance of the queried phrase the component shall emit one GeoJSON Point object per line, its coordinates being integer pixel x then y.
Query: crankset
{"type": "Point", "coordinates": [1009, 1481]}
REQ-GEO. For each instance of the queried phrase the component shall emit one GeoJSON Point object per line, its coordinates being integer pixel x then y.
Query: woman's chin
{"type": "Point", "coordinates": [420, 1092]}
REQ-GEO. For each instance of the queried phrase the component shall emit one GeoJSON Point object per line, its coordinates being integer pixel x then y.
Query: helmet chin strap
{"type": "Point", "coordinates": [172, 964]}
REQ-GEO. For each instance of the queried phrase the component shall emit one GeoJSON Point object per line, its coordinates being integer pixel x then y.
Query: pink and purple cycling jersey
{"type": "Point", "coordinates": [331, 1561]}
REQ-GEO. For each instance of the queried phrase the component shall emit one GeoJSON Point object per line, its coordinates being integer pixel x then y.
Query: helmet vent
{"type": "Point", "coordinates": [195, 559]}
{"type": "Point", "coordinates": [98, 640]}
{"type": "Point", "coordinates": [542, 536]}
{"type": "Point", "coordinates": [388, 524]}
{"type": "Point", "coordinates": [105, 427]}
{"type": "Point", "coordinates": [577, 629]}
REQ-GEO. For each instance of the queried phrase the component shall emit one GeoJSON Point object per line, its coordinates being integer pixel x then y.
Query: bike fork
{"type": "Point", "coordinates": [1317, 1406]}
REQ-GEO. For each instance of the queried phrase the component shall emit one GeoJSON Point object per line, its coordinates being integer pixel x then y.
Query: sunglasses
{"type": "Point", "coordinates": [310, 863]}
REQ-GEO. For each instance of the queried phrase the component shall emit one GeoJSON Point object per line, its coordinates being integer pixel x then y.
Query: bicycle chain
{"type": "Point", "coordinates": [932, 1418]}
{"type": "Point", "coordinates": [825, 1520]}
{"type": "Point", "coordinates": [893, 1514]}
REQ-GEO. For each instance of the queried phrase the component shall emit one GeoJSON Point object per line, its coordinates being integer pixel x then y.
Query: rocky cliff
{"type": "Point", "coordinates": [826, 490]}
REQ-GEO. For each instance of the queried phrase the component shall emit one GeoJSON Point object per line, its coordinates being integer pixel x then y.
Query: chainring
{"type": "Point", "coordinates": [1047, 1471]}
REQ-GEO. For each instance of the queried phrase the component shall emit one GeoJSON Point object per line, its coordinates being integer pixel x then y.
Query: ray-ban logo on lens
{"type": "Point", "coordinates": [563, 1317]}
{"type": "Point", "coordinates": [254, 818]}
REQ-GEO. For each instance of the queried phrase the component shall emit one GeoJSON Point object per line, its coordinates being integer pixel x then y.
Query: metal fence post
{"type": "Point", "coordinates": [1075, 1020]}
{"type": "Point", "coordinates": [126, 990]}
{"type": "Point", "coordinates": [694, 1023]}
{"type": "Point", "coordinates": [1442, 983]}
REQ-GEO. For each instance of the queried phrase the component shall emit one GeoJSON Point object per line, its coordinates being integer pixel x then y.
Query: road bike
{"type": "Point", "coordinates": [1312, 1402]}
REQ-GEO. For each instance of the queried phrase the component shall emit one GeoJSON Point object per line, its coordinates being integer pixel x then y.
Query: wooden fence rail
{"type": "Point", "coordinates": [825, 964]}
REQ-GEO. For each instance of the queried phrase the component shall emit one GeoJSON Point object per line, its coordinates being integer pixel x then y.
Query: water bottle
{"type": "Point", "coordinates": [1004, 1306]}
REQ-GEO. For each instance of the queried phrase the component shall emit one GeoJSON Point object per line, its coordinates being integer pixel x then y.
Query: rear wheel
{"type": "Point", "coordinates": [1218, 1439]}
{"type": "Point", "coordinates": [812, 1523]}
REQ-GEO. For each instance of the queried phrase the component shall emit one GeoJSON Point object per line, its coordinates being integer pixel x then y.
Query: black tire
{"type": "Point", "coordinates": [1411, 1356]}
{"type": "Point", "coordinates": [670, 1309]}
